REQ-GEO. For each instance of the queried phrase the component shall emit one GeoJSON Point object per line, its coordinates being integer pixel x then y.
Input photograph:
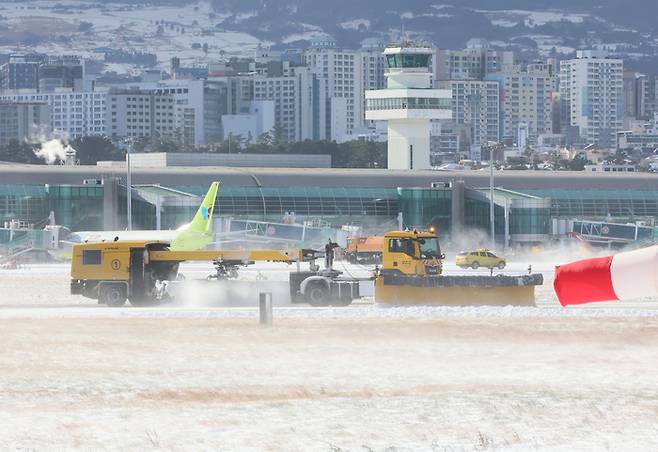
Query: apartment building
{"type": "Point", "coordinates": [21, 121]}
{"type": "Point", "coordinates": [591, 87]}
{"type": "Point", "coordinates": [476, 105]}
{"type": "Point", "coordinates": [527, 99]}
{"type": "Point", "coordinates": [73, 114]}
{"type": "Point", "coordinates": [474, 62]}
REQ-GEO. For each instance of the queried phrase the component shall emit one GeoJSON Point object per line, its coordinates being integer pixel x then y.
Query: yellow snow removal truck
{"type": "Point", "coordinates": [113, 272]}
{"type": "Point", "coordinates": [412, 273]}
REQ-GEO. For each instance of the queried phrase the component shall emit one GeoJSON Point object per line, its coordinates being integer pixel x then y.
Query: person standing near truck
{"type": "Point", "coordinates": [329, 254]}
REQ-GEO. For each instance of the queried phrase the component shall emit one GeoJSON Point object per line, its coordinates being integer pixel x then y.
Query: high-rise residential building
{"type": "Point", "coordinates": [476, 92]}
{"type": "Point", "coordinates": [527, 98]}
{"type": "Point", "coordinates": [374, 72]}
{"type": "Point", "coordinates": [21, 121]}
{"type": "Point", "coordinates": [646, 96]}
{"type": "Point", "coordinates": [473, 63]}
{"type": "Point", "coordinates": [135, 112]}
{"type": "Point", "coordinates": [21, 71]}
{"type": "Point", "coordinates": [292, 95]}
{"type": "Point", "coordinates": [43, 73]}
{"type": "Point", "coordinates": [189, 111]}
{"type": "Point", "coordinates": [73, 114]}
{"type": "Point", "coordinates": [639, 95]}
{"type": "Point", "coordinates": [342, 72]}
{"type": "Point", "coordinates": [374, 63]}
{"type": "Point", "coordinates": [78, 114]}
{"type": "Point", "coordinates": [285, 92]}
{"type": "Point", "coordinates": [444, 142]}
{"type": "Point", "coordinates": [317, 93]}
{"type": "Point", "coordinates": [346, 74]}
{"type": "Point", "coordinates": [62, 72]}
{"type": "Point", "coordinates": [591, 87]}
{"type": "Point", "coordinates": [476, 105]}
{"type": "Point", "coordinates": [630, 94]}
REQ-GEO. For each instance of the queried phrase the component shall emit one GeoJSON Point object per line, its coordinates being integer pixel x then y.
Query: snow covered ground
{"type": "Point", "coordinates": [365, 377]}
{"type": "Point", "coordinates": [52, 288]}
{"type": "Point", "coordinates": [123, 26]}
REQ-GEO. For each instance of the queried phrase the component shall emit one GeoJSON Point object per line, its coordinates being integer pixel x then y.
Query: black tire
{"type": "Point", "coordinates": [317, 294]}
{"type": "Point", "coordinates": [475, 265]}
{"type": "Point", "coordinates": [113, 295]}
{"type": "Point", "coordinates": [501, 265]}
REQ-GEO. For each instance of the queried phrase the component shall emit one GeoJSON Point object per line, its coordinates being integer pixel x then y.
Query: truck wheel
{"type": "Point", "coordinates": [501, 265]}
{"type": "Point", "coordinates": [113, 295]}
{"type": "Point", "coordinates": [318, 295]}
{"type": "Point", "coordinates": [475, 265]}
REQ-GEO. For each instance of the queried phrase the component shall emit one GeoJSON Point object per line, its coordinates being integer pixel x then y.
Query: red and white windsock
{"type": "Point", "coordinates": [624, 276]}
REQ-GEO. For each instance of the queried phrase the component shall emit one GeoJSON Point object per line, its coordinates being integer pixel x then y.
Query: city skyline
{"type": "Point", "coordinates": [318, 93]}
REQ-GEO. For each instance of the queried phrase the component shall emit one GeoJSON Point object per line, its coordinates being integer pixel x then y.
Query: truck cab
{"type": "Point", "coordinates": [113, 272]}
{"type": "Point", "coordinates": [412, 253]}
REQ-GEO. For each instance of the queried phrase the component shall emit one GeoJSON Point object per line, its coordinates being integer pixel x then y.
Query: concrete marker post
{"type": "Point", "coordinates": [265, 308]}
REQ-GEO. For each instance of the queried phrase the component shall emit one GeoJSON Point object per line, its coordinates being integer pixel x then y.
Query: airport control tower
{"type": "Point", "coordinates": [408, 104]}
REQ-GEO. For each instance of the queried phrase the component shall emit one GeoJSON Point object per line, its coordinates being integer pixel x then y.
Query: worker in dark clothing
{"type": "Point", "coordinates": [329, 254]}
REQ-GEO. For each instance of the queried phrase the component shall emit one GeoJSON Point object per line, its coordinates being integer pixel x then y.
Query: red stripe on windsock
{"type": "Point", "coordinates": [585, 281]}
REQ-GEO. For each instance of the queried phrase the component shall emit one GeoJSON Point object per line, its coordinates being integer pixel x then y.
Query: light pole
{"type": "Point", "coordinates": [491, 196]}
{"type": "Point", "coordinates": [129, 191]}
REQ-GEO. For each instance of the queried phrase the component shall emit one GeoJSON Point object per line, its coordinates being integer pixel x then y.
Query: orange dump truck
{"type": "Point", "coordinates": [364, 249]}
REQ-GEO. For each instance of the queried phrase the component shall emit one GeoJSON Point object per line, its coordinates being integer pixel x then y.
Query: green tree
{"type": "Point", "coordinates": [264, 139]}
{"type": "Point", "coordinates": [95, 148]}
{"type": "Point", "coordinates": [577, 163]}
{"type": "Point", "coordinates": [277, 136]}
{"type": "Point", "coordinates": [162, 143]}
{"type": "Point", "coordinates": [20, 152]}
{"type": "Point", "coordinates": [619, 158]}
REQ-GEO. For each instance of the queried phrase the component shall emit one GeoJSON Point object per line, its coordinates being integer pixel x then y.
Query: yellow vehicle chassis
{"type": "Point", "coordinates": [113, 272]}
{"type": "Point", "coordinates": [238, 256]}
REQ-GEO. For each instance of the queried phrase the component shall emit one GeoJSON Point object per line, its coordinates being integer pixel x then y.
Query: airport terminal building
{"type": "Point", "coordinates": [529, 205]}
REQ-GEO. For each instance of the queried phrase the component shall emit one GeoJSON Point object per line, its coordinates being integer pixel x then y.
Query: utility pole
{"type": "Point", "coordinates": [129, 185]}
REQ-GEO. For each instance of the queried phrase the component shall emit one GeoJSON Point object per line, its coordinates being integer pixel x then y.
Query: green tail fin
{"type": "Point", "coordinates": [202, 221]}
{"type": "Point", "coordinates": [198, 233]}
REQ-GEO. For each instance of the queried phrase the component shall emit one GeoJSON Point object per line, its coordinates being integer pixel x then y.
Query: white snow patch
{"type": "Point", "coordinates": [410, 15]}
{"type": "Point", "coordinates": [133, 27]}
{"type": "Point", "coordinates": [531, 19]}
{"type": "Point", "coordinates": [355, 24]}
{"type": "Point", "coordinates": [306, 36]}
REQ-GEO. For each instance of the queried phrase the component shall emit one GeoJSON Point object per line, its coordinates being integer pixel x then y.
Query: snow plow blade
{"type": "Point", "coordinates": [501, 290]}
